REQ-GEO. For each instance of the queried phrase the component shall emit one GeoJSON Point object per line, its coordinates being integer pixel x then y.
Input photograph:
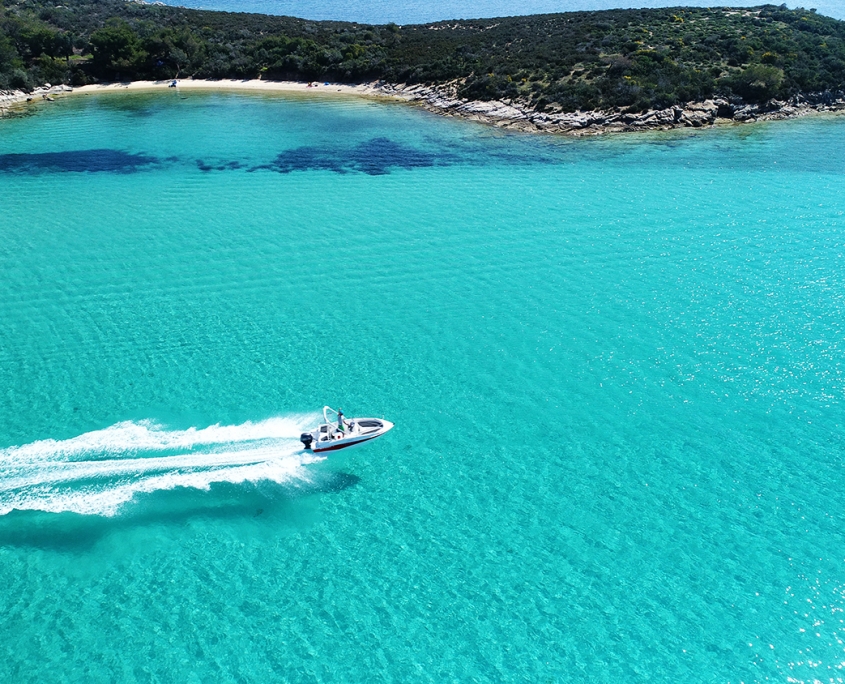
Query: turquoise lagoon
{"type": "Point", "coordinates": [615, 367]}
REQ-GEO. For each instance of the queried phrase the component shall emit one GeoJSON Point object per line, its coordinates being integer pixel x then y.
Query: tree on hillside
{"type": "Point", "coordinates": [176, 49]}
{"type": "Point", "coordinates": [117, 48]}
{"type": "Point", "coordinates": [12, 74]}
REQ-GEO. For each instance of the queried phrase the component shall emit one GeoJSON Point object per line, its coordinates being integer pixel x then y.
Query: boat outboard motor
{"type": "Point", "coordinates": [306, 438]}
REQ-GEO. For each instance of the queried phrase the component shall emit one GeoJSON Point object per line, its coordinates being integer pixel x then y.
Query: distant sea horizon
{"type": "Point", "coordinates": [412, 12]}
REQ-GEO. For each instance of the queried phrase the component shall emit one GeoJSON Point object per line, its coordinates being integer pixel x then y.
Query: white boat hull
{"type": "Point", "coordinates": [327, 437]}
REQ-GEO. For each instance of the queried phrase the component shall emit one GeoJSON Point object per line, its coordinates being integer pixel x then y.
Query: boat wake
{"type": "Point", "coordinates": [98, 472]}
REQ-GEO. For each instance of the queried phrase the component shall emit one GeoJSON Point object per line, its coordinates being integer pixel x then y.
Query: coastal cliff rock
{"type": "Point", "coordinates": [521, 115]}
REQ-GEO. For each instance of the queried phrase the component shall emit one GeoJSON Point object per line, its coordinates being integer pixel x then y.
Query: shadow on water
{"type": "Point", "coordinates": [67, 531]}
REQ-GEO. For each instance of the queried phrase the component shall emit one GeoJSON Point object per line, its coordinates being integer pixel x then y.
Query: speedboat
{"type": "Point", "coordinates": [342, 433]}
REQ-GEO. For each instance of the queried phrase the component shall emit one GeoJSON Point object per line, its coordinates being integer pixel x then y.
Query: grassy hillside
{"type": "Point", "coordinates": [634, 59]}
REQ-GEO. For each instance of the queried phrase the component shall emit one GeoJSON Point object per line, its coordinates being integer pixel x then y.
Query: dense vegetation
{"type": "Point", "coordinates": [634, 59]}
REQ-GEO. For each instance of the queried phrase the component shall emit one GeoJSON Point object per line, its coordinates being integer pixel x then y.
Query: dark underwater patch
{"type": "Point", "coordinates": [95, 161]}
{"type": "Point", "coordinates": [227, 166]}
{"type": "Point", "coordinates": [379, 156]}
{"type": "Point", "coordinates": [375, 157]}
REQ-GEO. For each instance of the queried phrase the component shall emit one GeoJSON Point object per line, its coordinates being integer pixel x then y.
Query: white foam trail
{"type": "Point", "coordinates": [107, 501]}
{"type": "Point", "coordinates": [147, 435]}
{"type": "Point", "coordinates": [81, 470]}
{"type": "Point", "coordinates": [98, 472]}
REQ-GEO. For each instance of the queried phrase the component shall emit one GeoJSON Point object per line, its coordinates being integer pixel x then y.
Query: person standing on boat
{"type": "Point", "coordinates": [341, 424]}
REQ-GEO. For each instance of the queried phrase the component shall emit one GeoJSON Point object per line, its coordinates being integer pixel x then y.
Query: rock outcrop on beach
{"type": "Point", "coordinates": [520, 115]}
{"type": "Point", "coordinates": [9, 98]}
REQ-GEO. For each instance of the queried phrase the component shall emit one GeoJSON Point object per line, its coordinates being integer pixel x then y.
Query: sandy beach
{"type": "Point", "coordinates": [235, 84]}
{"type": "Point", "coordinates": [47, 92]}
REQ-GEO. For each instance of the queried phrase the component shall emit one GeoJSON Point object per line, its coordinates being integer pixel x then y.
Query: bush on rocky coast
{"type": "Point", "coordinates": [628, 60]}
{"type": "Point", "coordinates": [755, 83]}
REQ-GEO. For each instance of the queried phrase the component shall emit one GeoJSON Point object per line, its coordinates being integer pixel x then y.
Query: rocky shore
{"type": "Point", "coordinates": [516, 115]}
{"type": "Point", "coordinates": [10, 98]}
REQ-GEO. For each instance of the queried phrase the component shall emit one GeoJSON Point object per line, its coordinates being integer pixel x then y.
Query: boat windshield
{"type": "Point", "coordinates": [328, 411]}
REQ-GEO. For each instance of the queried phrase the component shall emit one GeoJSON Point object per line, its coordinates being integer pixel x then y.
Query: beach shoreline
{"type": "Point", "coordinates": [45, 92]}
{"type": "Point", "coordinates": [505, 114]}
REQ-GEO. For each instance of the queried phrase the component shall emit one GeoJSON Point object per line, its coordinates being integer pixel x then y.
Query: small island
{"type": "Point", "coordinates": [577, 72]}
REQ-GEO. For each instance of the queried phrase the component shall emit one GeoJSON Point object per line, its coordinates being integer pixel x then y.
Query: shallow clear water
{"type": "Point", "coordinates": [615, 367]}
{"type": "Point", "coordinates": [413, 11]}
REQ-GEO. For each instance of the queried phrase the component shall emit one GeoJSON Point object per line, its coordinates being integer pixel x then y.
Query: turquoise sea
{"type": "Point", "coordinates": [615, 367]}
{"type": "Point", "coordinates": [416, 12]}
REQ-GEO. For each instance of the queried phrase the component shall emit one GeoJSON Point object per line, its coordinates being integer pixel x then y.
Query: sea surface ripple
{"type": "Point", "coordinates": [615, 368]}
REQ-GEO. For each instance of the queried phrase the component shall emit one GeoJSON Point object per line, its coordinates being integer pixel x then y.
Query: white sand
{"type": "Point", "coordinates": [252, 85]}
{"type": "Point", "coordinates": [12, 98]}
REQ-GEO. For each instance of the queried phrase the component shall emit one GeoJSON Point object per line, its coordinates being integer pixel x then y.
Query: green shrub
{"type": "Point", "coordinates": [756, 83]}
